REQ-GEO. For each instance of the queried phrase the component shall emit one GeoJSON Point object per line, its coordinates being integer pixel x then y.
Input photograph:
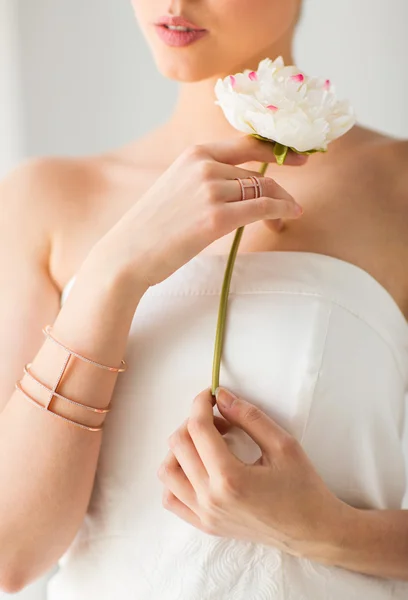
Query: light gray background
{"type": "Point", "coordinates": [76, 77]}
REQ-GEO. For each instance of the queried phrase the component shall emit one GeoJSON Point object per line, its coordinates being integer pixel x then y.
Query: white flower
{"type": "Point", "coordinates": [283, 105]}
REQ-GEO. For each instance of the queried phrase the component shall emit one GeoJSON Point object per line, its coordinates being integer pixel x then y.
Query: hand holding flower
{"type": "Point", "coordinates": [279, 500]}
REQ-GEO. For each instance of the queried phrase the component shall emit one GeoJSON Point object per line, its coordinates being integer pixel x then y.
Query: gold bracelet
{"type": "Point", "coordinates": [49, 411]}
{"type": "Point", "coordinates": [54, 393]}
{"type": "Point", "coordinates": [47, 330]}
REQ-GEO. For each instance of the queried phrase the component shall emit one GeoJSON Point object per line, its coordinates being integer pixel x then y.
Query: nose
{"type": "Point", "coordinates": [175, 7]}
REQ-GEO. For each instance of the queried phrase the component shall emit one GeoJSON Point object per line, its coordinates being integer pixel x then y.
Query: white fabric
{"type": "Point", "coordinates": [321, 347]}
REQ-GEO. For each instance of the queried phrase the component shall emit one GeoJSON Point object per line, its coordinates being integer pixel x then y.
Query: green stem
{"type": "Point", "coordinates": [222, 311]}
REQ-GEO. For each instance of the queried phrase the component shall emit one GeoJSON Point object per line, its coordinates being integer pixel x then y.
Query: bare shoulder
{"type": "Point", "coordinates": [393, 163]}
{"type": "Point", "coordinates": [43, 172]}
{"type": "Point", "coordinates": [388, 162]}
{"type": "Point", "coordinates": [71, 202]}
{"type": "Point", "coordinates": [42, 197]}
{"type": "Point", "coordinates": [399, 158]}
{"type": "Point", "coordinates": [382, 161]}
{"type": "Point", "coordinates": [37, 188]}
{"type": "Point", "coordinates": [29, 195]}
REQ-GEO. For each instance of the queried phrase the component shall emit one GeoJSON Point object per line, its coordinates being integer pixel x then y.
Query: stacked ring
{"type": "Point", "coordinates": [256, 185]}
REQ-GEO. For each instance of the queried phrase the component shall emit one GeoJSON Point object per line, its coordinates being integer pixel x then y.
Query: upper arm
{"type": "Point", "coordinates": [402, 187]}
{"type": "Point", "coordinates": [29, 299]}
{"type": "Point", "coordinates": [399, 159]}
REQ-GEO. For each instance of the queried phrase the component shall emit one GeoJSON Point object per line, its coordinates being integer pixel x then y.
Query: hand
{"type": "Point", "coordinates": [195, 202]}
{"type": "Point", "coordinates": [279, 500]}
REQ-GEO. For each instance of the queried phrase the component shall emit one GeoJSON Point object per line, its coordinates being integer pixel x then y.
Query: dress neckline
{"type": "Point", "coordinates": [245, 259]}
{"type": "Point", "coordinates": [304, 274]}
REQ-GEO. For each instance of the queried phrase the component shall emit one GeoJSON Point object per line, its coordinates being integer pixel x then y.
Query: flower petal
{"type": "Point", "coordinates": [282, 104]}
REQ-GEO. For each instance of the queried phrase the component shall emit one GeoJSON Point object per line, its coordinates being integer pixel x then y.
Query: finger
{"type": "Point", "coordinates": [223, 171]}
{"type": "Point", "coordinates": [176, 506]}
{"type": "Point", "coordinates": [172, 476]}
{"type": "Point", "coordinates": [170, 467]}
{"type": "Point", "coordinates": [209, 443]}
{"type": "Point", "coordinates": [242, 149]}
{"type": "Point", "coordinates": [231, 191]}
{"type": "Point", "coordinates": [227, 172]}
{"type": "Point", "coordinates": [184, 450]}
{"type": "Point", "coordinates": [264, 208]}
{"type": "Point", "coordinates": [258, 425]}
{"type": "Point", "coordinates": [222, 425]}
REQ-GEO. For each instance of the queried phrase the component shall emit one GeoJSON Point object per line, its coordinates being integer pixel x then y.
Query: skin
{"type": "Point", "coordinates": [375, 163]}
{"type": "Point", "coordinates": [355, 208]}
{"type": "Point", "coordinates": [210, 488]}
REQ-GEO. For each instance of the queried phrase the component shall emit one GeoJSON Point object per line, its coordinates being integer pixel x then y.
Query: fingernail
{"type": "Point", "coordinates": [224, 397]}
{"type": "Point", "coordinates": [303, 158]}
{"type": "Point", "coordinates": [298, 209]}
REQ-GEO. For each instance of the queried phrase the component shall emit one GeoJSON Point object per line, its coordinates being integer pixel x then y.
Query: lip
{"type": "Point", "coordinates": [178, 38]}
{"type": "Point", "coordinates": [178, 22]}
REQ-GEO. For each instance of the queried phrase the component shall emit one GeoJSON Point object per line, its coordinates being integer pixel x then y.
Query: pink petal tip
{"type": "Point", "coordinates": [298, 78]}
{"type": "Point", "coordinates": [327, 84]}
{"type": "Point", "coordinates": [272, 107]}
{"type": "Point", "coordinates": [253, 76]}
{"type": "Point", "coordinates": [233, 81]}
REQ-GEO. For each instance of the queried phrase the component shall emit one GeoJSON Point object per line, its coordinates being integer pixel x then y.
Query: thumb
{"type": "Point", "coordinates": [248, 417]}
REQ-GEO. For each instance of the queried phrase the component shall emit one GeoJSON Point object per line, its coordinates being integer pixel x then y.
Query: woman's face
{"type": "Point", "coordinates": [238, 33]}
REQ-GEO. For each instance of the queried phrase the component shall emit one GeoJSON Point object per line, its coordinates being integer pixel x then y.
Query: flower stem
{"type": "Point", "coordinates": [222, 311]}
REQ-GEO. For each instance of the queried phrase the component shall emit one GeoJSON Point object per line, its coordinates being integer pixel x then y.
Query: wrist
{"type": "Point", "coordinates": [332, 534]}
{"type": "Point", "coordinates": [109, 271]}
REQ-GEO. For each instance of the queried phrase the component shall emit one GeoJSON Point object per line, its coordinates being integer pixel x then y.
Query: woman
{"type": "Point", "coordinates": [316, 350]}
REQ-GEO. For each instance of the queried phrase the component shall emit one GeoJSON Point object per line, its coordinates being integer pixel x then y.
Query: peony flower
{"type": "Point", "coordinates": [281, 105]}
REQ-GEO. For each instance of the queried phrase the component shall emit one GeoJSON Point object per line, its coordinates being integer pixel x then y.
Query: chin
{"type": "Point", "coordinates": [185, 69]}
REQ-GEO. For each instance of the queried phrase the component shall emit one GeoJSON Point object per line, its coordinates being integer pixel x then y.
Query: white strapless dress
{"type": "Point", "coordinates": [320, 346]}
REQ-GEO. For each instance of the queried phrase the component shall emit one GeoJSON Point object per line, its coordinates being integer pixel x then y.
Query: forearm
{"type": "Point", "coordinates": [373, 542]}
{"type": "Point", "coordinates": [47, 466]}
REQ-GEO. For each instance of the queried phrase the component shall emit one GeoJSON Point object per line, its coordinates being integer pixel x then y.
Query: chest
{"type": "Point", "coordinates": [349, 213]}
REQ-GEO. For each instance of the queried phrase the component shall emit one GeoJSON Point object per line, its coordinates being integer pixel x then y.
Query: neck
{"type": "Point", "coordinates": [196, 119]}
